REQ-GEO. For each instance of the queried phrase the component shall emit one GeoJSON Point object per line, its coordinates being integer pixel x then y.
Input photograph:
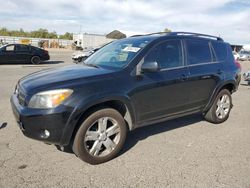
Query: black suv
{"type": "Point", "coordinates": [127, 84]}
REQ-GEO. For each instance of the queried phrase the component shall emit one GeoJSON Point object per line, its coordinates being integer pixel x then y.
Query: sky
{"type": "Point", "coordinates": [229, 19]}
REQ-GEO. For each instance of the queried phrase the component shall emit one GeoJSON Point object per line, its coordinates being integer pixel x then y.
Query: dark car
{"type": "Point", "coordinates": [21, 53]}
{"type": "Point", "coordinates": [127, 84]}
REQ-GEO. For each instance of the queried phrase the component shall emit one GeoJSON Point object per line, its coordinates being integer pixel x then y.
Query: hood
{"type": "Point", "coordinates": [59, 76]}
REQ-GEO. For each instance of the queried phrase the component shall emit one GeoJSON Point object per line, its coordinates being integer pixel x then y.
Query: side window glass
{"type": "Point", "coordinates": [167, 54]}
{"type": "Point", "coordinates": [22, 48]}
{"type": "Point", "coordinates": [220, 51]}
{"type": "Point", "coordinates": [198, 52]}
{"type": "Point", "coordinates": [10, 48]}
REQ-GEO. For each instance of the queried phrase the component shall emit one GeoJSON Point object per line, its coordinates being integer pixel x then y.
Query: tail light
{"type": "Point", "coordinates": [237, 64]}
{"type": "Point", "coordinates": [46, 52]}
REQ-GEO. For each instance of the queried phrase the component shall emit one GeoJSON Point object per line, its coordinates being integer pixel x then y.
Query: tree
{"type": "Point", "coordinates": [167, 30]}
{"type": "Point", "coordinates": [40, 33]}
{"type": "Point", "coordinates": [67, 36]}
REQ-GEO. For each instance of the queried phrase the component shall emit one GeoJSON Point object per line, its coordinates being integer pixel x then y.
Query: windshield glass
{"type": "Point", "coordinates": [244, 52]}
{"type": "Point", "coordinates": [118, 53]}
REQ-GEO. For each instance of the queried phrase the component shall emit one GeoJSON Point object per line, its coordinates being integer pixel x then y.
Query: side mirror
{"type": "Point", "coordinates": [150, 67]}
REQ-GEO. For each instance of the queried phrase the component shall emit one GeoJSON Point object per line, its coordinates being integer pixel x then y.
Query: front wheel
{"type": "Point", "coordinates": [220, 110]}
{"type": "Point", "coordinates": [100, 137]}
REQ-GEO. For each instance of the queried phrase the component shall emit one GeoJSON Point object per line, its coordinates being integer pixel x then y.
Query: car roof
{"type": "Point", "coordinates": [165, 35]}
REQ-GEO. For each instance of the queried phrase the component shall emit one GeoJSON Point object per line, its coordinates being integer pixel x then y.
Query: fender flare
{"type": "Point", "coordinates": [216, 91]}
{"type": "Point", "coordinates": [82, 107]}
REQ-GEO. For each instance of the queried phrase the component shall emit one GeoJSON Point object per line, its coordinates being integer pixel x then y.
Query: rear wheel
{"type": "Point", "coordinates": [35, 60]}
{"type": "Point", "coordinates": [220, 110]}
{"type": "Point", "coordinates": [100, 137]}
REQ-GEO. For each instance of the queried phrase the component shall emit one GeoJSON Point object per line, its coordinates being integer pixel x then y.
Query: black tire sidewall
{"type": "Point", "coordinates": [78, 145]}
{"type": "Point", "coordinates": [35, 63]}
{"type": "Point", "coordinates": [79, 60]}
{"type": "Point", "coordinates": [214, 107]}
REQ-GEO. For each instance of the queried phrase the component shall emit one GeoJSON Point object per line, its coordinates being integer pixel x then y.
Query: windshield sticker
{"type": "Point", "coordinates": [131, 49]}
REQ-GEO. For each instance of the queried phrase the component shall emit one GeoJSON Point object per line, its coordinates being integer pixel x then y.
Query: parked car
{"type": "Point", "coordinates": [236, 55]}
{"type": "Point", "coordinates": [158, 77]}
{"type": "Point", "coordinates": [80, 56]}
{"type": "Point", "coordinates": [244, 55]}
{"type": "Point", "coordinates": [246, 77]}
{"type": "Point", "coordinates": [21, 53]}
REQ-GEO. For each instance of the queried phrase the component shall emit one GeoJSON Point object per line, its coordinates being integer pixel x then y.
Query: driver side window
{"type": "Point", "coordinates": [167, 54]}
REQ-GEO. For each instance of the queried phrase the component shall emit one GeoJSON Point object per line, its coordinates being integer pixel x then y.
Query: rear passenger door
{"type": "Point", "coordinates": [23, 53]}
{"type": "Point", "coordinates": [204, 71]}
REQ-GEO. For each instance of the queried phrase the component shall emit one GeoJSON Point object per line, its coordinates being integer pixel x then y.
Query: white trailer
{"type": "Point", "coordinates": [85, 40]}
{"type": "Point", "coordinates": [246, 47]}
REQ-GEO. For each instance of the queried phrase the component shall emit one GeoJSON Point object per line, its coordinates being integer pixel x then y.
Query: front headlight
{"type": "Point", "coordinates": [49, 99]}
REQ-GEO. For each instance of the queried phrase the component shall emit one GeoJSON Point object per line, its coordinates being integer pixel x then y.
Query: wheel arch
{"type": "Point", "coordinates": [121, 104]}
{"type": "Point", "coordinates": [230, 85]}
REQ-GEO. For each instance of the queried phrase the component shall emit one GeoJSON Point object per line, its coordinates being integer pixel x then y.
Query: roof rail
{"type": "Point", "coordinates": [136, 35]}
{"type": "Point", "coordinates": [196, 34]}
{"type": "Point", "coordinates": [150, 34]}
{"type": "Point", "coordinates": [184, 33]}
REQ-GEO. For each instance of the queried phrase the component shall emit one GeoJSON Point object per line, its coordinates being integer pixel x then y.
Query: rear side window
{"type": "Point", "coordinates": [220, 51]}
{"type": "Point", "coordinates": [198, 52]}
{"type": "Point", "coordinates": [22, 48]}
{"type": "Point", "coordinates": [168, 54]}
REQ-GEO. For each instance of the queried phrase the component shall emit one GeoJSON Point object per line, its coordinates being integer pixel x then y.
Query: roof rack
{"type": "Point", "coordinates": [184, 33]}
{"type": "Point", "coordinates": [150, 34]}
{"type": "Point", "coordinates": [195, 34]}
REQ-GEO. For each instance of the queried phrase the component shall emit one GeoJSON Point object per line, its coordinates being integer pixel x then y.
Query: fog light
{"type": "Point", "coordinates": [45, 134]}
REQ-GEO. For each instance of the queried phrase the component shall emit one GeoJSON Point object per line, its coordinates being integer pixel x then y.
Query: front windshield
{"type": "Point", "coordinates": [118, 53]}
{"type": "Point", "coordinates": [244, 52]}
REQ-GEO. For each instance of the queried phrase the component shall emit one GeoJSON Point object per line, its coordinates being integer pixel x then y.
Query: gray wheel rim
{"type": "Point", "coordinates": [223, 106]}
{"type": "Point", "coordinates": [102, 137]}
{"type": "Point", "coordinates": [35, 60]}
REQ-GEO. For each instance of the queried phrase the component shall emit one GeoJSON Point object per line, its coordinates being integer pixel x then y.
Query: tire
{"type": "Point", "coordinates": [79, 60]}
{"type": "Point", "coordinates": [215, 113]}
{"type": "Point", "coordinates": [35, 60]}
{"type": "Point", "coordinates": [100, 137]}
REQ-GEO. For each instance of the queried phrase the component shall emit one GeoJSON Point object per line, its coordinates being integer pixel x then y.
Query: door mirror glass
{"type": "Point", "coordinates": [150, 67]}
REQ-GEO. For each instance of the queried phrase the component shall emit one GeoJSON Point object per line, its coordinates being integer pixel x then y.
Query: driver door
{"type": "Point", "coordinates": [165, 92]}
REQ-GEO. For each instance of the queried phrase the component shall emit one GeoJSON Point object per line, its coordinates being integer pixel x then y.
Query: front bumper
{"type": "Point", "coordinates": [33, 122]}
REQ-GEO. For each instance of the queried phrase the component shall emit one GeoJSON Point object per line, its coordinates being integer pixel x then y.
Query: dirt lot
{"type": "Point", "coordinates": [188, 152]}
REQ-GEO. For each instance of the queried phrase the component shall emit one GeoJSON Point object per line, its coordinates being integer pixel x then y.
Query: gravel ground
{"type": "Point", "coordinates": [187, 152]}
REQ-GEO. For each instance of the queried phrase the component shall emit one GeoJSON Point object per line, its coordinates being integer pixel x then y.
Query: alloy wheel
{"type": "Point", "coordinates": [102, 137]}
{"type": "Point", "coordinates": [223, 106]}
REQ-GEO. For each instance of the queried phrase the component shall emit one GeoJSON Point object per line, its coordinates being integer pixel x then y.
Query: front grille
{"type": "Point", "coordinates": [20, 96]}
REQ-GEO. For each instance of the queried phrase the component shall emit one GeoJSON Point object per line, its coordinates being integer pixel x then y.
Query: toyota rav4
{"type": "Point", "coordinates": [129, 83]}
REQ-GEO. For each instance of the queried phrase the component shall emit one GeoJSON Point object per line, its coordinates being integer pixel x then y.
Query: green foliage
{"type": "Point", "coordinates": [67, 35]}
{"type": "Point", "coordinates": [167, 30]}
{"type": "Point", "coordinates": [40, 33]}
